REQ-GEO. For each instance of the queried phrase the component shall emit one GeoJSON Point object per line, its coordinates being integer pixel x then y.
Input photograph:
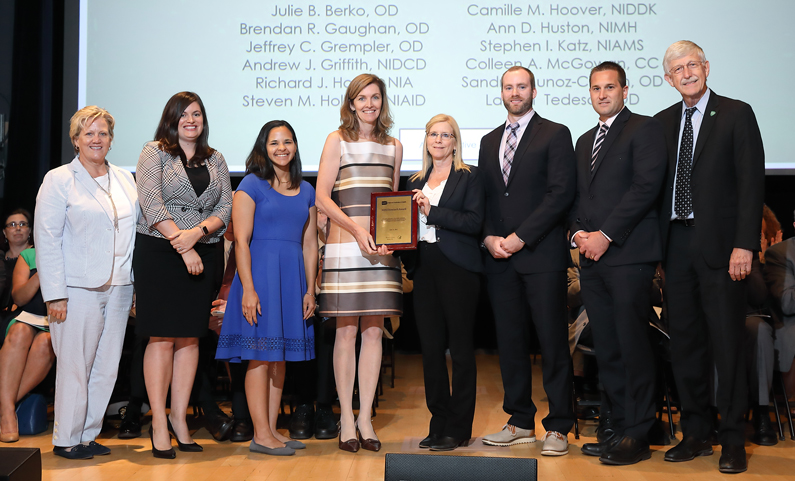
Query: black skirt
{"type": "Point", "coordinates": [170, 302]}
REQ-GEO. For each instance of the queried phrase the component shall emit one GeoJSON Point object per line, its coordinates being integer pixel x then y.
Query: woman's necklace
{"type": "Point", "coordinates": [110, 198]}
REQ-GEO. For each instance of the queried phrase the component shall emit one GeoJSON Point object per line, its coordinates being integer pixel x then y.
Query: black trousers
{"type": "Point", "coordinates": [516, 299]}
{"type": "Point", "coordinates": [618, 300]}
{"type": "Point", "coordinates": [445, 304]}
{"type": "Point", "coordinates": [706, 312]}
{"type": "Point", "coordinates": [313, 380]}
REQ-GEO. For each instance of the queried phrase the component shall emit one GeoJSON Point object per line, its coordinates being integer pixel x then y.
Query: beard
{"type": "Point", "coordinates": [518, 110]}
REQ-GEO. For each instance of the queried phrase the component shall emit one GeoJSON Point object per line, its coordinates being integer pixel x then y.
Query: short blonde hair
{"type": "Point", "coordinates": [427, 160]}
{"type": "Point", "coordinates": [678, 50]}
{"type": "Point", "coordinates": [85, 117]}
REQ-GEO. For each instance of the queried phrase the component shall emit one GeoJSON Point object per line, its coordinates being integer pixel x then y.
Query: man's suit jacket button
{"type": "Point", "coordinates": [590, 196]}
{"type": "Point", "coordinates": [201, 211]}
{"type": "Point", "coordinates": [184, 209]}
{"type": "Point", "coordinates": [506, 194]}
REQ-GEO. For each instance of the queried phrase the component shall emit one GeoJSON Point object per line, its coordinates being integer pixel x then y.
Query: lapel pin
{"type": "Point", "coordinates": [712, 113]}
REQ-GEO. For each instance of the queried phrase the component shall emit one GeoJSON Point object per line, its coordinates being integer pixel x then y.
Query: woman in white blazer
{"type": "Point", "coordinates": [85, 219]}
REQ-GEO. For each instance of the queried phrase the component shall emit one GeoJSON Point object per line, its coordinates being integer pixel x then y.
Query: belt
{"type": "Point", "coordinates": [685, 222]}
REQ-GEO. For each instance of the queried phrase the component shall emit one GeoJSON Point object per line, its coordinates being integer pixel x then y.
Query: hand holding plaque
{"type": "Point", "coordinates": [393, 220]}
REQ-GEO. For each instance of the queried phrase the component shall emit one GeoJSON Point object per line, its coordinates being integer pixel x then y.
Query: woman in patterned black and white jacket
{"type": "Point", "coordinates": [186, 199]}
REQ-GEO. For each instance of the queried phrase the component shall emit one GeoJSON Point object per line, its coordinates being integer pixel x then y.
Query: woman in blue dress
{"type": "Point", "coordinates": [267, 317]}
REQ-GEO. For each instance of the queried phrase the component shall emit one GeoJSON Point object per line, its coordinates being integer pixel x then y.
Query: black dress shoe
{"type": "Point", "coordinates": [448, 443]}
{"type": "Point", "coordinates": [242, 431]}
{"type": "Point", "coordinates": [598, 449]}
{"type": "Point", "coordinates": [426, 443]}
{"type": "Point", "coordinates": [625, 452]}
{"type": "Point", "coordinates": [80, 451]}
{"type": "Point", "coordinates": [763, 431]}
{"type": "Point", "coordinates": [219, 425]}
{"type": "Point", "coordinates": [326, 425]}
{"type": "Point", "coordinates": [301, 422]}
{"type": "Point", "coordinates": [732, 460]}
{"type": "Point", "coordinates": [688, 449]}
{"type": "Point", "coordinates": [606, 429]}
{"type": "Point", "coordinates": [184, 447]}
{"type": "Point", "coordinates": [130, 427]}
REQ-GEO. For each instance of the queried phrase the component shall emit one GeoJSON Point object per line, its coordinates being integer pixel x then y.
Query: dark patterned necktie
{"type": "Point", "coordinates": [598, 145]}
{"type": "Point", "coordinates": [683, 200]}
{"type": "Point", "coordinates": [510, 149]}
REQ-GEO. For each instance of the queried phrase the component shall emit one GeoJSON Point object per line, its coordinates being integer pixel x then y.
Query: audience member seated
{"type": "Point", "coordinates": [16, 238]}
{"type": "Point", "coordinates": [759, 345]}
{"type": "Point", "coordinates": [780, 280]}
{"type": "Point", "coordinates": [27, 354]}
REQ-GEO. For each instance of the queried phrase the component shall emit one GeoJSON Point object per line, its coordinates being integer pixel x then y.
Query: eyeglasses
{"type": "Point", "coordinates": [20, 224]}
{"type": "Point", "coordinates": [444, 136]}
{"type": "Point", "coordinates": [692, 65]}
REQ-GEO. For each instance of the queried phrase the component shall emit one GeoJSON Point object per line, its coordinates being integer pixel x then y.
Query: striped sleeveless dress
{"type": "Point", "coordinates": [354, 283]}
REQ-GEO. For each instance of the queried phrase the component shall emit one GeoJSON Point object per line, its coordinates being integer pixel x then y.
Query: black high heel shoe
{"type": "Point", "coordinates": [188, 448]}
{"type": "Point", "coordinates": [165, 454]}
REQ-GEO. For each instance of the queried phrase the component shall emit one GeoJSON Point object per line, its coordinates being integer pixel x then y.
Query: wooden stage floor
{"type": "Point", "coordinates": [401, 421]}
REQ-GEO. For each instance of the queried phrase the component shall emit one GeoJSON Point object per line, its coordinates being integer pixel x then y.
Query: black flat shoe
{"type": "Point", "coordinates": [625, 452]}
{"type": "Point", "coordinates": [187, 448]}
{"type": "Point", "coordinates": [164, 454]}
{"type": "Point", "coordinates": [733, 460]}
{"type": "Point", "coordinates": [75, 452]}
{"type": "Point", "coordinates": [426, 443]}
{"type": "Point", "coordinates": [448, 443]}
{"type": "Point", "coordinates": [97, 449]}
{"type": "Point", "coordinates": [688, 449]}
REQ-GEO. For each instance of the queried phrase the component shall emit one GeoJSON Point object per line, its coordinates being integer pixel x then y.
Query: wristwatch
{"type": "Point", "coordinates": [204, 229]}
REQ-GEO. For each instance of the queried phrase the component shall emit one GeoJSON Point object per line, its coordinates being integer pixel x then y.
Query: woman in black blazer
{"type": "Point", "coordinates": [451, 200]}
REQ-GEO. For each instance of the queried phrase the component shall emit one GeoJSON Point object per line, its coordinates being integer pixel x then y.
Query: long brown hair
{"type": "Point", "coordinates": [349, 122]}
{"type": "Point", "coordinates": [167, 133]}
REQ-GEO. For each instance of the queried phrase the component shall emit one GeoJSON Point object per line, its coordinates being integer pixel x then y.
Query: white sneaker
{"type": "Point", "coordinates": [510, 435]}
{"type": "Point", "coordinates": [555, 444]}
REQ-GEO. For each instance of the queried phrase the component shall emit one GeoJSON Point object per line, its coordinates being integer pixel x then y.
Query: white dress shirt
{"type": "Point", "coordinates": [428, 232]}
{"type": "Point", "coordinates": [698, 116]}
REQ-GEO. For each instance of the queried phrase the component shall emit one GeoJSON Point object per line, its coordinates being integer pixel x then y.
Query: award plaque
{"type": "Point", "coordinates": [393, 220]}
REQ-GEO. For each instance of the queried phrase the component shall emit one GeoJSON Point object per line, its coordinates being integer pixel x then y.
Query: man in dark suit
{"type": "Point", "coordinates": [528, 172]}
{"type": "Point", "coordinates": [710, 220]}
{"type": "Point", "coordinates": [620, 170]}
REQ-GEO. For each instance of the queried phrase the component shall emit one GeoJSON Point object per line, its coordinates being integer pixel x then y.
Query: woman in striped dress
{"type": "Point", "coordinates": [361, 281]}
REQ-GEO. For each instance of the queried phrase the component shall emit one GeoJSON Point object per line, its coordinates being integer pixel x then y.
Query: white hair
{"type": "Point", "coordinates": [680, 49]}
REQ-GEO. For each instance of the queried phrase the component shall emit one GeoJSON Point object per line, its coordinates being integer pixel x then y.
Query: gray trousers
{"type": "Point", "coordinates": [88, 348]}
{"type": "Point", "coordinates": [761, 357]}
